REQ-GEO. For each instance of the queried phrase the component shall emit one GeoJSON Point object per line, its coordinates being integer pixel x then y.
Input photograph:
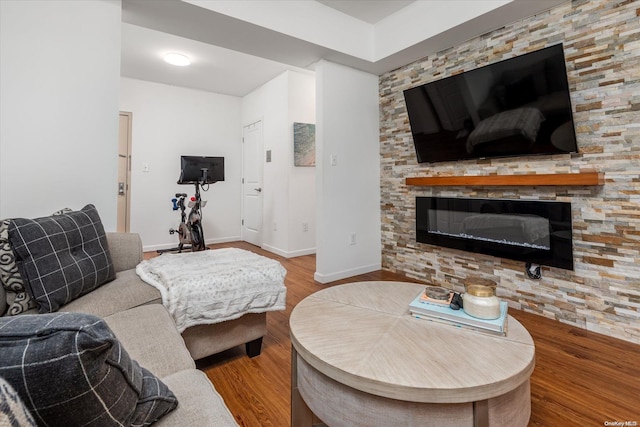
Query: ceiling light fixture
{"type": "Point", "coordinates": [177, 59]}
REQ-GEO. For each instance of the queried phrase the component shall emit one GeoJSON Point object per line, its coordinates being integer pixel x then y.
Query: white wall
{"type": "Point", "coordinates": [59, 77]}
{"type": "Point", "coordinates": [168, 122]}
{"type": "Point", "coordinates": [288, 192]}
{"type": "Point", "coordinates": [348, 194]}
{"type": "Point", "coordinates": [302, 180]}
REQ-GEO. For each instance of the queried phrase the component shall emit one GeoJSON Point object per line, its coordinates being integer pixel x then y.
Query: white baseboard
{"type": "Point", "coordinates": [287, 254]}
{"type": "Point", "coordinates": [326, 278]}
{"type": "Point", "coordinates": [222, 240]}
{"type": "Point", "coordinates": [153, 248]}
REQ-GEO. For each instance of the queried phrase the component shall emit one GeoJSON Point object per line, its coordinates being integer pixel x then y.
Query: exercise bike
{"type": "Point", "coordinates": [190, 233]}
{"type": "Point", "coordinates": [190, 228]}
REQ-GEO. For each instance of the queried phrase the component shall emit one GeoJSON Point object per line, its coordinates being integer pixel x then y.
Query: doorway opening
{"type": "Point", "coordinates": [124, 173]}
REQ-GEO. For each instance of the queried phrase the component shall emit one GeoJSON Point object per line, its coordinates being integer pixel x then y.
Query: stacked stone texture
{"type": "Point", "coordinates": [601, 40]}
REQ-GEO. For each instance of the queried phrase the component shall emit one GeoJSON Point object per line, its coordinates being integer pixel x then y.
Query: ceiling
{"type": "Point", "coordinates": [213, 68]}
{"type": "Point", "coordinates": [238, 45]}
{"type": "Point", "coordinates": [371, 11]}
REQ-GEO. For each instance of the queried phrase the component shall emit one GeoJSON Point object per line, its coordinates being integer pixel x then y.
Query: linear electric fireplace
{"type": "Point", "coordinates": [532, 231]}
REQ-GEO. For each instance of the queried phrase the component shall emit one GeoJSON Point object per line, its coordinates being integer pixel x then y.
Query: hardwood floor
{"type": "Point", "coordinates": [581, 378]}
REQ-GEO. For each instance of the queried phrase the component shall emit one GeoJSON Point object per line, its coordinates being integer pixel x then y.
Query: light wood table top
{"type": "Point", "coordinates": [362, 335]}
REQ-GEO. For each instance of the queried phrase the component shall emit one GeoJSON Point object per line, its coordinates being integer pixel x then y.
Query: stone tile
{"type": "Point", "coordinates": [601, 39]}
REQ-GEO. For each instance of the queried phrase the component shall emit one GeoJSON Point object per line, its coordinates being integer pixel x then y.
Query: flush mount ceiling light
{"type": "Point", "coordinates": [177, 59]}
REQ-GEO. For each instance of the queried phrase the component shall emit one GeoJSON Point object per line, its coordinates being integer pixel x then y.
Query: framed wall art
{"type": "Point", "coordinates": [304, 144]}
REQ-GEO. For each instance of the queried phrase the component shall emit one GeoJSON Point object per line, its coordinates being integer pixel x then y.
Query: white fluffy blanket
{"type": "Point", "coordinates": [215, 285]}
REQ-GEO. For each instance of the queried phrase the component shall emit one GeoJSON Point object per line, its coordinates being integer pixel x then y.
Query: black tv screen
{"type": "Point", "coordinates": [201, 169]}
{"type": "Point", "coordinates": [515, 107]}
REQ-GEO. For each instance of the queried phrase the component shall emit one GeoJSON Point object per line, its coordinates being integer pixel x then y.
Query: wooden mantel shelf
{"type": "Point", "coordinates": [557, 179]}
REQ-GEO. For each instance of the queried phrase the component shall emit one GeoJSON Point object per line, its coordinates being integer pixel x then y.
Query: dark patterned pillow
{"type": "Point", "coordinates": [13, 413]}
{"type": "Point", "coordinates": [62, 211]}
{"type": "Point", "coordinates": [61, 257]}
{"type": "Point", "coordinates": [69, 369]}
{"type": "Point", "coordinates": [18, 299]}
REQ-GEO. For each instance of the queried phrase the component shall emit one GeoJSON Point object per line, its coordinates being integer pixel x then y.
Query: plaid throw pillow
{"type": "Point", "coordinates": [69, 369]}
{"type": "Point", "coordinates": [61, 257]}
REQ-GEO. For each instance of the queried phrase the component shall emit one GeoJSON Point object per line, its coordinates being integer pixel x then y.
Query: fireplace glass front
{"type": "Point", "coordinates": [532, 231]}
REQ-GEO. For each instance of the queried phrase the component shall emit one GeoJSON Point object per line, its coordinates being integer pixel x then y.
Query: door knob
{"type": "Point", "coordinates": [258, 189]}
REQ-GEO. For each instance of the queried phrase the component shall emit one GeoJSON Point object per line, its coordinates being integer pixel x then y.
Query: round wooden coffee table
{"type": "Point", "coordinates": [360, 359]}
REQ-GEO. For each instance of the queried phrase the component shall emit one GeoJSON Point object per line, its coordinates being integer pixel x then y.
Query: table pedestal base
{"type": "Point", "coordinates": [339, 405]}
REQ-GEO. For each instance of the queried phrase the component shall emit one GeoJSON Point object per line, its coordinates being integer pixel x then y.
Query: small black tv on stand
{"type": "Point", "coordinates": [201, 170]}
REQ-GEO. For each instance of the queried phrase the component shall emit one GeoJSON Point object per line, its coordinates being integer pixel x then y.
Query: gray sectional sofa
{"type": "Point", "coordinates": [134, 313]}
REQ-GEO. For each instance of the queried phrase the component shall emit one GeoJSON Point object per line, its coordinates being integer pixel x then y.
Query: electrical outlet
{"type": "Point", "coordinates": [334, 160]}
{"type": "Point", "coordinates": [352, 238]}
{"type": "Point", "coordinates": [305, 226]}
{"type": "Point", "coordinates": [145, 167]}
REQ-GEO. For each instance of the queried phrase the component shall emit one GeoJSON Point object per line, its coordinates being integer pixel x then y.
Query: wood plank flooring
{"type": "Point", "coordinates": [581, 378]}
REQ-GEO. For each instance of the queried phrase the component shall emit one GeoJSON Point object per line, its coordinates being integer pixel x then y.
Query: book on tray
{"type": "Point", "coordinates": [442, 313]}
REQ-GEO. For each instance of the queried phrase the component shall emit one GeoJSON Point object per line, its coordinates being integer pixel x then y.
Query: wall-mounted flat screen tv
{"type": "Point", "coordinates": [515, 107]}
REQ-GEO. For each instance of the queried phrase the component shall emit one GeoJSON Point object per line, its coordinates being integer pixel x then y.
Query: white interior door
{"type": "Point", "coordinates": [252, 184]}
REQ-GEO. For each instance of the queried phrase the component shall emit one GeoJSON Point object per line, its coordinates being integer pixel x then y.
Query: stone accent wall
{"type": "Point", "coordinates": [601, 40]}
